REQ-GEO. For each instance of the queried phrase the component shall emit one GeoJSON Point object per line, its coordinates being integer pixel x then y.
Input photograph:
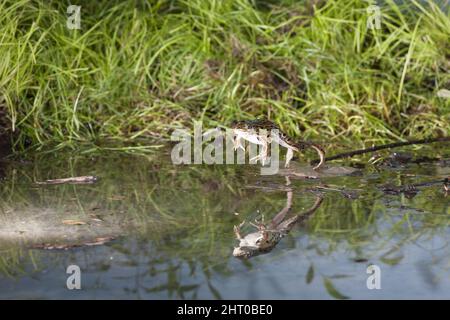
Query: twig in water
{"type": "Point", "coordinates": [384, 146]}
{"type": "Point", "coordinates": [412, 189]}
{"type": "Point", "coordinates": [73, 180]}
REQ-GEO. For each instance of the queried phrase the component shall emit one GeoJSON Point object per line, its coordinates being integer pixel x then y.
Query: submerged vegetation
{"type": "Point", "coordinates": [137, 69]}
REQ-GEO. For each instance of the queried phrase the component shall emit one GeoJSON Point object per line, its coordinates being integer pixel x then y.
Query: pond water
{"type": "Point", "coordinates": [168, 230]}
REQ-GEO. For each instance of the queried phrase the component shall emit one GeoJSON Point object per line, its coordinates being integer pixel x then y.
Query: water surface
{"type": "Point", "coordinates": [173, 231]}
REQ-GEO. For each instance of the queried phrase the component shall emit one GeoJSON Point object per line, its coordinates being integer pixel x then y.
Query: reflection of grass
{"type": "Point", "coordinates": [182, 216]}
{"type": "Point", "coordinates": [358, 221]}
{"type": "Point", "coordinates": [137, 69]}
{"type": "Point", "coordinates": [11, 261]}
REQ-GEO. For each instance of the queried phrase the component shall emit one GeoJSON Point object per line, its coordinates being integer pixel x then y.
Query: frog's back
{"type": "Point", "coordinates": [255, 124]}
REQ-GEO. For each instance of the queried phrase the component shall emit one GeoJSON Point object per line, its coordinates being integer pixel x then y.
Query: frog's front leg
{"type": "Point", "coordinates": [264, 149]}
{"type": "Point", "coordinates": [260, 225]}
{"type": "Point", "coordinates": [237, 230]}
{"type": "Point", "coordinates": [289, 156]}
{"type": "Point", "coordinates": [237, 142]}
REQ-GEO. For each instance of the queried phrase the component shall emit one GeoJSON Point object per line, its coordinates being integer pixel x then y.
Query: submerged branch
{"type": "Point", "coordinates": [381, 147]}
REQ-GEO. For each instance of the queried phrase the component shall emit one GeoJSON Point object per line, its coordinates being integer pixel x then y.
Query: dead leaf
{"type": "Point", "coordinates": [117, 197]}
{"type": "Point", "coordinates": [73, 222]}
{"type": "Point", "coordinates": [99, 241]}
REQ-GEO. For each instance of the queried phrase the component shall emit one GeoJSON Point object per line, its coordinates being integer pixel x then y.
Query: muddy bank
{"type": "Point", "coordinates": [5, 145]}
{"type": "Point", "coordinates": [5, 149]}
{"type": "Point", "coordinates": [5, 130]}
{"type": "Point", "coordinates": [47, 228]}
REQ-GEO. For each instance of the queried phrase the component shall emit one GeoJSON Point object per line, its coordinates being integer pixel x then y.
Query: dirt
{"type": "Point", "coordinates": [46, 228]}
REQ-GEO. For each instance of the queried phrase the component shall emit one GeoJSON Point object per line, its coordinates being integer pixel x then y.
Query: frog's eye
{"type": "Point", "coordinates": [259, 241]}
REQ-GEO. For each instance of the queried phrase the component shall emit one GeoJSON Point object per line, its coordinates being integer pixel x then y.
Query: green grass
{"type": "Point", "coordinates": [138, 69]}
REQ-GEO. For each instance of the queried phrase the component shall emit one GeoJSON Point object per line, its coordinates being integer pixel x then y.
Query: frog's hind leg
{"type": "Point", "coordinates": [255, 158]}
{"type": "Point", "coordinates": [321, 152]}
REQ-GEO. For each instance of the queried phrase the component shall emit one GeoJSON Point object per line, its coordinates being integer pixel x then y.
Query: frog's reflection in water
{"type": "Point", "coordinates": [268, 235]}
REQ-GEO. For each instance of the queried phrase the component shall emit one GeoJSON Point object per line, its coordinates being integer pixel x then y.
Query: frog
{"type": "Point", "coordinates": [259, 132]}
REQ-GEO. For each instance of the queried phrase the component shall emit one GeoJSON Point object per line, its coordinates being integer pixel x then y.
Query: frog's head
{"type": "Point", "coordinates": [255, 243]}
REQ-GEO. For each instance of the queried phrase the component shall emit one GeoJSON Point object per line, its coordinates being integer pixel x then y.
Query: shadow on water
{"type": "Point", "coordinates": [172, 231]}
